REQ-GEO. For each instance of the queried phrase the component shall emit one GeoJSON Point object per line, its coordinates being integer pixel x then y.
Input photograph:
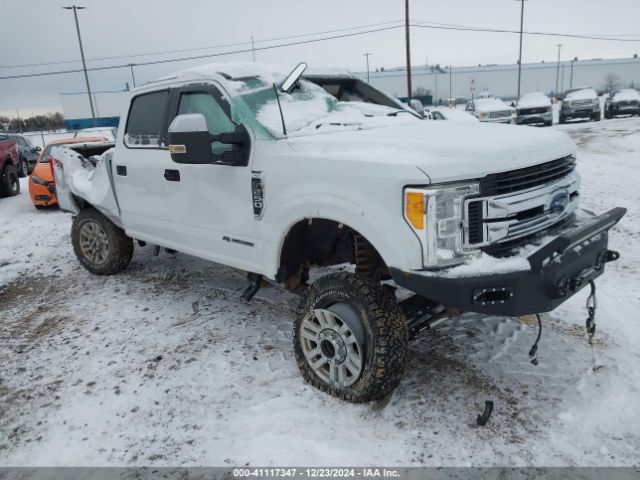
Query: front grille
{"type": "Point", "coordinates": [532, 111]}
{"type": "Point", "coordinates": [525, 178]}
{"type": "Point", "coordinates": [502, 114]}
{"type": "Point", "coordinates": [475, 222]}
{"type": "Point", "coordinates": [581, 103]}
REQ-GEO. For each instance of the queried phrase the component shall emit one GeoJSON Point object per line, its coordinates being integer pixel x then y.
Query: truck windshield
{"type": "Point", "coordinates": [309, 109]}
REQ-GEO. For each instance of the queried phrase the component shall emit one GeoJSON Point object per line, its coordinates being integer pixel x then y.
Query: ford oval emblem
{"type": "Point", "coordinates": [558, 203]}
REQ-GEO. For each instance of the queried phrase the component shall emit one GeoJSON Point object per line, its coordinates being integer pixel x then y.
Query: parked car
{"type": "Point", "coordinates": [534, 108]}
{"type": "Point", "coordinates": [9, 182]}
{"type": "Point", "coordinates": [449, 113]}
{"type": "Point", "coordinates": [27, 152]}
{"type": "Point", "coordinates": [580, 102]}
{"type": "Point", "coordinates": [490, 110]}
{"type": "Point", "coordinates": [42, 187]}
{"type": "Point", "coordinates": [217, 163]}
{"type": "Point", "coordinates": [622, 102]}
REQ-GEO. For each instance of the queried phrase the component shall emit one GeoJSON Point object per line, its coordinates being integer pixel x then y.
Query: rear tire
{"type": "Point", "coordinates": [9, 183]}
{"type": "Point", "coordinates": [101, 247]}
{"type": "Point", "coordinates": [350, 338]}
{"type": "Point", "coordinates": [596, 117]}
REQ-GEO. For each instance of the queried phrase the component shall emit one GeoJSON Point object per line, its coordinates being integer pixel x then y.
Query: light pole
{"type": "Point", "coordinates": [75, 9]}
{"type": "Point", "coordinates": [408, 47]}
{"type": "Point", "coordinates": [450, 81]}
{"type": "Point", "coordinates": [559, 45]}
{"type": "Point", "coordinates": [520, 56]}
{"type": "Point", "coordinates": [367, 55]}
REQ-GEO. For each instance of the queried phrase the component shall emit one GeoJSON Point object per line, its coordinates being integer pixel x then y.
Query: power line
{"type": "Point", "coordinates": [438, 26]}
{"type": "Point", "coordinates": [196, 57]}
{"type": "Point", "coordinates": [182, 50]}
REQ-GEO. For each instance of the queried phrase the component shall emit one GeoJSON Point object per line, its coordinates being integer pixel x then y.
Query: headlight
{"type": "Point", "coordinates": [596, 101]}
{"type": "Point", "coordinates": [38, 181]}
{"type": "Point", "coordinates": [566, 104]}
{"type": "Point", "coordinates": [549, 109]}
{"type": "Point", "coordinates": [436, 214]}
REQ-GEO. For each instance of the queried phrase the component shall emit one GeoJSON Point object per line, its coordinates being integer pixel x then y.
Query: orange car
{"type": "Point", "coordinates": [42, 187]}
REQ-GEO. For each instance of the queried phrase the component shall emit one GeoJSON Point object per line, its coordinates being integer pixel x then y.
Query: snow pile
{"type": "Point", "coordinates": [455, 114]}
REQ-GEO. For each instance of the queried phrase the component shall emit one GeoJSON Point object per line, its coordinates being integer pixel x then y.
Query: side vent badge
{"type": "Point", "coordinates": [257, 194]}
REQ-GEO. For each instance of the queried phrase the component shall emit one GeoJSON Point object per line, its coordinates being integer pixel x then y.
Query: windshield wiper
{"type": "Point", "coordinates": [395, 114]}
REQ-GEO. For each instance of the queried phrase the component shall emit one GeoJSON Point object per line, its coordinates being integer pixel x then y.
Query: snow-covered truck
{"type": "Point", "coordinates": [272, 174]}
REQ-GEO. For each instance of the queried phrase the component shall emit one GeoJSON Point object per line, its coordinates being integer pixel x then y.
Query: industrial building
{"type": "Point", "coordinates": [501, 80]}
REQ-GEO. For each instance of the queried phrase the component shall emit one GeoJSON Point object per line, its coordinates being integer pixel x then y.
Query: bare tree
{"type": "Point", "coordinates": [612, 82]}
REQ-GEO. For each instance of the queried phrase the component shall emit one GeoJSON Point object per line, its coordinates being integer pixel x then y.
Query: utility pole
{"type": "Point", "coordinates": [571, 77]}
{"type": "Point", "coordinates": [450, 81]}
{"type": "Point", "coordinates": [75, 9]}
{"type": "Point", "coordinates": [408, 46]}
{"type": "Point", "coordinates": [520, 56]}
{"type": "Point", "coordinates": [367, 55]}
{"type": "Point", "coordinates": [253, 49]}
{"type": "Point", "coordinates": [559, 45]}
{"type": "Point", "coordinates": [19, 121]}
{"type": "Point", "coordinates": [133, 77]}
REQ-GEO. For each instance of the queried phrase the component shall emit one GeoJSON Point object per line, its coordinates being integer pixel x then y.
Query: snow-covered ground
{"type": "Point", "coordinates": [165, 365]}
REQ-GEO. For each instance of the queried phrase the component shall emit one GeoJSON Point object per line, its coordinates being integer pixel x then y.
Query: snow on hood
{"type": "Point", "coordinates": [534, 100]}
{"type": "Point", "coordinates": [584, 94]}
{"type": "Point", "coordinates": [455, 114]}
{"type": "Point", "coordinates": [627, 94]}
{"type": "Point", "coordinates": [445, 151]}
{"type": "Point", "coordinates": [490, 105]}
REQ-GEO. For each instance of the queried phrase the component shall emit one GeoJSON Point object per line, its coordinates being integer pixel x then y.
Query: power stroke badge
{"type": "Point", "coordinates": [257, 193]}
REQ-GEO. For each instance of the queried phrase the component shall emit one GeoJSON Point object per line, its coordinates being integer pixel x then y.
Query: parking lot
{"type": "Point", "coordinates": [164, 364]}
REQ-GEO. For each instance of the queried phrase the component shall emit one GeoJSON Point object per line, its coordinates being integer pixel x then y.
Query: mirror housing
{"type": "Point", "coordinates": [190, 142]}
{"type": "Point", "coordinates": [293, 77]}
{"type": "Point", "coordinates": [416, 105]}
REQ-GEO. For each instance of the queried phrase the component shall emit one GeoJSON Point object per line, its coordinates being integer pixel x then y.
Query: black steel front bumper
{"type": "Point", "coordinates": [557, 271]}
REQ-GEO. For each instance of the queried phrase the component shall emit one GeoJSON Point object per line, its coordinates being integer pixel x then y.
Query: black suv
{"type": "Point", "coordinates": [622, 102]}
{"type": "Point", "coordinates": [26, 150]}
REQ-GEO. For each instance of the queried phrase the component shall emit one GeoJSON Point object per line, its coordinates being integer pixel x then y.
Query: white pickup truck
{"type": "Point", "coordinates": [274, 174]}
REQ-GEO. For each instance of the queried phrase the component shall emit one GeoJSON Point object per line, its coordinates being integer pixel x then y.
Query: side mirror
{"type": "Point", "coordinates": [293, 77]}
{"type": "Point", "coordinates": [417, 105]}
{"type": "Point", "coordinates": [36, 149]}
{"type": "Point", "coordinates": [190, 142]}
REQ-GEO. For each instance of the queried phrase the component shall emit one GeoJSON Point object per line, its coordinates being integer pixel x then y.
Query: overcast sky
{"type": "Point", "coordinates": [42, 32]}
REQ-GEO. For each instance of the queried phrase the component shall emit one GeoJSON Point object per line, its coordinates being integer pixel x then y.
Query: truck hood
{"type": "Point", "coordinates": [445, 151]}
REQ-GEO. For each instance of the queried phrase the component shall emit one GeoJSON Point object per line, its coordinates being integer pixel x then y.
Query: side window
{"type": "Point", "coordinates": [146, 120]}
{"type": "Point", "coordinates": [217, 120]}
{"type": "Point", "coordinates": [20, 141]}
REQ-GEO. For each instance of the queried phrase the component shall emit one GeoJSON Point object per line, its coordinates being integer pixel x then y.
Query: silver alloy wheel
{"type": "Point", "coordinates": [94, 243]}
{"type": "Point", "coordinates": [332, 346]}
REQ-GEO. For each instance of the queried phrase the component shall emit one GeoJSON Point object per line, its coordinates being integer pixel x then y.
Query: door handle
{"type": "Point", "coordinates": [172, 175]}
{"type": "Point", "coordinates": [121, 170]}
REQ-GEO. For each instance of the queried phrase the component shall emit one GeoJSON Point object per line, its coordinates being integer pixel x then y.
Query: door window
{"type": "Point", "coordinates": [147, 116]}
{"type": "Point", "coordinates": [217, 120]}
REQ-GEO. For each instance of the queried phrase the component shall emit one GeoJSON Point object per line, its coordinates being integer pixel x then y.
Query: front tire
{"type": "Point", "coordinates": [350, 338]}
{"type": "Point", "coordinates": [596, 117]}
{"type": "Point", "coordinates": [9, 183]}
{"type": "Point", "coordinates": [100, 245]}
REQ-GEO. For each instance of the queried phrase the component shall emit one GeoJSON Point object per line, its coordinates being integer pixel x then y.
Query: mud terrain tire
{"type": "Point", "coordinates": [100, 245]}
{"type": "Point", "coordinates": [9, 183]}
{"type": "Point", "coordinates": [381, 337]}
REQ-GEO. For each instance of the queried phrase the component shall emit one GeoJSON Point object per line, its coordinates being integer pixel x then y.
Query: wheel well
{"type": "Point", "coordinates": [322, 242]}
